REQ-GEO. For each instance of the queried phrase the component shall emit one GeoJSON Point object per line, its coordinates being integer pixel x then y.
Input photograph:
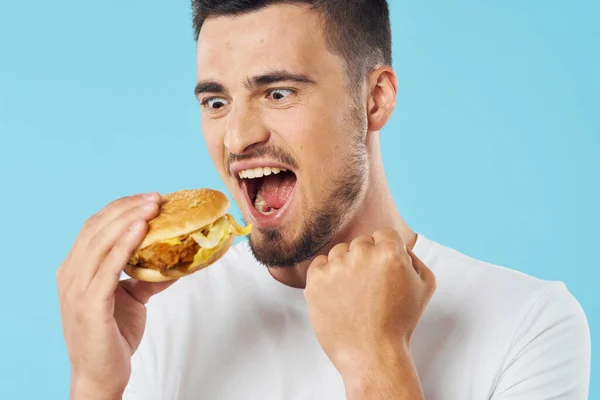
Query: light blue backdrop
{"type": "Point", "coordinates": [494, 148]}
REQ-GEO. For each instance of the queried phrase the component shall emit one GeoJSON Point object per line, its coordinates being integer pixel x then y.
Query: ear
{"type": "Point", "coordinates": [382, 86]}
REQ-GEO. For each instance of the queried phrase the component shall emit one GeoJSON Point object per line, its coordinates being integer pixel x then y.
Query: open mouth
{"type": "Point", "coordinates": [268, 189]}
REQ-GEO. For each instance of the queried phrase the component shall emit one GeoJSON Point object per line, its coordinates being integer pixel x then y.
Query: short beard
{"type": "Point", "coordinates": [322, 224]}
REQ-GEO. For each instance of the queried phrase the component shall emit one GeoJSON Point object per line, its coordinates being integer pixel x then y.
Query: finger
{"type": "Point", "coordinates": [142, 291]}
{"type": "Point", "coordinates": [427, 276]}
{"type": "Point", "coordinates": [390, 244]}
{"type": "Point", "coordinates": [319, 261]}
{"type": "Point", "coordinates": [389, 235]}
{"type": "Point", "coordinates": [416, 262]}
{"type": "Point", "coordinates": [338, 250]}
{"type": "Point", "coordinates": [317, 264]}
{"type": "Point", "coordinates": [116, 208]}
{"type": "Point", "coordinates": [361, 242]}
{"type": "Point", "coordinates": [112, 211]}
{"type": "Point", "coordinates": [96, 223]}
{"type": "Point", "coordinates": [315, 270]}
{"type": "Point", "coordinates": [100, 246]}
{"type": "Point", "coordinates": [109, 271]}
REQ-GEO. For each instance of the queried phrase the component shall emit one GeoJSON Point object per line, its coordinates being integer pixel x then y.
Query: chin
{"type": "Point", "coordinates": [290, 245]}
{"type": "Point", "coordinates": [272, 250]}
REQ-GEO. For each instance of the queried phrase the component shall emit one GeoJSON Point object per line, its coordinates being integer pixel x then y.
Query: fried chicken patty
{"type": "Point", "coordinates": [163, 256]}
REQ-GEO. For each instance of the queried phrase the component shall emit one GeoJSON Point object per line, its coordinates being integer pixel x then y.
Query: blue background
{"type": "Point", "coordinates": [494, 148]}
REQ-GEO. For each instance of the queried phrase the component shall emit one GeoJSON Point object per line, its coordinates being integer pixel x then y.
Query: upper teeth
{"type": "Point", "coordinates": [259, 172]}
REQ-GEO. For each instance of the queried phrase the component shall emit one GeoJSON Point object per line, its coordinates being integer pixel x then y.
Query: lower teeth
{"type": "Point", "coordinates": [261, 205]}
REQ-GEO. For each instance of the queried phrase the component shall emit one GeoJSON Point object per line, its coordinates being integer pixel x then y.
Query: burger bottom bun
{"type": "Point", "coordinates": [152, 275]}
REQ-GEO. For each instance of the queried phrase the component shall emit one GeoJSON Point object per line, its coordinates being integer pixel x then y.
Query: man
{"type": "Point", "coordinates": [352, 304]}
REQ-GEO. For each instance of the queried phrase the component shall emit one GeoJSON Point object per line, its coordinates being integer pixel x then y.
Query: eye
{"type": "Point", "coordinates": [280, 94]}
{"type": "Point", "coordinates": [215, 103]}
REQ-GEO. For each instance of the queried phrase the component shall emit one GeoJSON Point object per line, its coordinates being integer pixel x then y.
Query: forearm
{"type": "Point", "coordinates": [390, 377]}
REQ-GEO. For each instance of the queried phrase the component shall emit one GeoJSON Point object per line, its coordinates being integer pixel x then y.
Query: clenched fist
{"type": "Point", "coordinates": [365, 300]}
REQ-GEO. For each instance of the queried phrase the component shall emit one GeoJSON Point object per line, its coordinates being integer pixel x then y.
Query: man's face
{"type": "Point", "coordinates": [275, 98]}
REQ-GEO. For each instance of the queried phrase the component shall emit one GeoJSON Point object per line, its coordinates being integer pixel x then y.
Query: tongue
{"type": "Point", "coordinates": [277, 189]}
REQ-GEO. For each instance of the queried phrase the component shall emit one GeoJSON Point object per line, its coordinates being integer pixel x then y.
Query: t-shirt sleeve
{"type": "Point", "coordinates": [550, 354]}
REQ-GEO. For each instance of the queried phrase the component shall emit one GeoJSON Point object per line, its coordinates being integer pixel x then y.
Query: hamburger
{"type": "Point", "coordinates": [191, 232]}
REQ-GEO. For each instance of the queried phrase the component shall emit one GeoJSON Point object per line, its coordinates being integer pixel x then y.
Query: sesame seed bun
{"type": "Point", "coordinates": [185, 211]}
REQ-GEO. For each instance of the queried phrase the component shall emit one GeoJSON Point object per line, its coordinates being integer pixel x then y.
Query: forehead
{"type": "Point", "coordinates": [281, 37]}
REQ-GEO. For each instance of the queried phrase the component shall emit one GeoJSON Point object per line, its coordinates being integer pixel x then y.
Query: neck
{"type": "Point", "coordinates": [376, 210]}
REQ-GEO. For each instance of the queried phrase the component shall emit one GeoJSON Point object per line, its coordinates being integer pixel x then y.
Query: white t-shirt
{"type": "Point", "coordinates": [234, 332]}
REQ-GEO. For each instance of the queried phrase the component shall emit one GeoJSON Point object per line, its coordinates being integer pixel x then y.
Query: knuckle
{"type": "Point", "coordinates": [122, 200]}
{"type": "Point", "coordinates": [91, 222]}
{"type": "Point", "coordinates": [361, 247]}
{"type": "Point", "coordinates": [316, 269]}
{"type": "Point", "coordinates": [386, 232]}
{"type": "Point", "coordinates": [430, 280]}
{"type": "Point", "coordinates": [338, 247]}
{"type": "Point", "coordinates": [138, 212]}
{"type": "Point", "coordinates": [83, 309]}
{"type": "Point", "coordinates": [120, 203]}
{"type": "Point", "coordinates": [80, 314]}
{"type": "Point", "coordinates": [338, 250]}
{"type": "Point", "coordinates": [388, 251]}
{"type": "Point", "coordinates": [319, 261]}
{"type": "Point", "coordinates": [95, 241]}
{"type": "Point", "coordinates": [361, 239]}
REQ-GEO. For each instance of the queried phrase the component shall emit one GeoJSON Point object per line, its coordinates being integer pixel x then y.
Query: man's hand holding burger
{"type": "Point", "coordinates": [155, 240]}
{"type": "Point", "coordinates": [365, 300]}
{"type": "Point", "coordinates": [104, 319]}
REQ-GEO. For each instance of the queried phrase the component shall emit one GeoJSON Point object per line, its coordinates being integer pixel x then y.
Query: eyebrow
{"type": "Point", "coordinates": [276, 77]}
{"type": "Point", "coordinates": [208, 87]}
{"type": "Point", "coordinates": [253, 82]}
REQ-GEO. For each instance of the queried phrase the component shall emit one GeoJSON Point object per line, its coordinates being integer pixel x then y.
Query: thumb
{"type": "Point", "coordinates": [142, 291]}
{"type": "Point", "coordinates": [426, 274]}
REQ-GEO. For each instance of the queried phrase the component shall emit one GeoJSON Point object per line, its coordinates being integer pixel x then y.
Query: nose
{"type": "Point", "coordinates": [245, 129]}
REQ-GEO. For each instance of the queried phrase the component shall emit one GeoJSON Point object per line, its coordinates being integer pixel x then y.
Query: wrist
{"type": "Point", "coordinates": [85, 389]}
{"type": "Point", "coordinates": [387, 374]}
{"type": "Point", "coordinates": [359, 362]}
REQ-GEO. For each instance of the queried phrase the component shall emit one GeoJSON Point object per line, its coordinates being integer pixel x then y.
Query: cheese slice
{"type": "Point", "coordinates": [172, 242]}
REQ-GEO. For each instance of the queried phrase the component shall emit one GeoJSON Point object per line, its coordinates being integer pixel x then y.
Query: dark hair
{"type": "Point", "coordinates": [357, 30]}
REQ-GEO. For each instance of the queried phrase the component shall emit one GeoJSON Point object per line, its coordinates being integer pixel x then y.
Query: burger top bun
{"type": "Point", "coordinates": [185, 211]}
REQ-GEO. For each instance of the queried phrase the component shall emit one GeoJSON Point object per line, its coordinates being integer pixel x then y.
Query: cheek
{"type": "Point", "coordinates": [214, 144]}
{"type": "Point", "coordinates": [307, 131]}
{"type": "Point", "coordinates": [312, 136]}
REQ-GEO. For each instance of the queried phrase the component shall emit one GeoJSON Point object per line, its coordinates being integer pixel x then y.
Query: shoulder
{"type": "Point", "coordinates": [535, 329]}
{"type": "Point", "coordinates": [487, 295]}
{"type": "Point", "coordinates": [523, 309]}
{"type": "Point", "coordinates": [486, 284]}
